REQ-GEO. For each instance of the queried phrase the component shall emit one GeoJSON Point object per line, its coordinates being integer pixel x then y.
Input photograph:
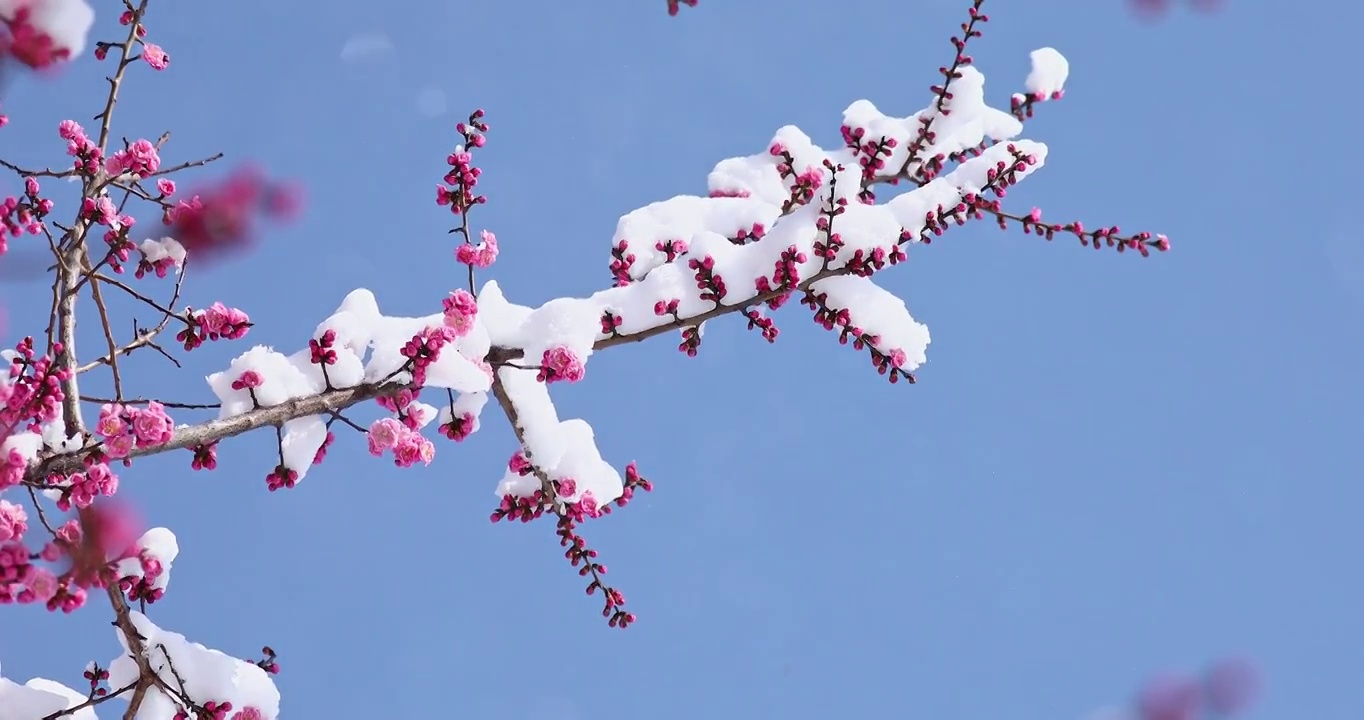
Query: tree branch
{"type": "Point", "coordinates": [215, 430]}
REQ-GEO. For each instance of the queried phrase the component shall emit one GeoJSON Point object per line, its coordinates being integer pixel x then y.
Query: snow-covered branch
{"type": "Point", "coordinates": [191, 436]}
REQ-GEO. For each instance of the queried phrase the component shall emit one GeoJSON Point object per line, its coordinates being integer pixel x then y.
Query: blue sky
{"type": "Point", "coordinates": [1110, 465]}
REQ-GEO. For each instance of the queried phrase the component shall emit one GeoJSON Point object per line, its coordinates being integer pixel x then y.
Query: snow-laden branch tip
{"type": "Point", "coordinates": [1049, 72]}
{"type": "Point", "coordinates": [188, 669]}
{"type": "Point", "coordinates": [560, 449]}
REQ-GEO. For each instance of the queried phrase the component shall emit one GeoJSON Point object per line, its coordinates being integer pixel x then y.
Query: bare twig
{"type": "Point", "coordinates": [42, 514]}
{"type": "Point", "coordinates": [170, 664]}
{"type": "Point", "coordinates": [91, 702]}
{"type": "Point", "coordinates": [56, 290]}
{"type": "Point", "coordinates": [101, 277]}
{"type": "Point", "coordinates": [37, 173]}
{"type": "Point", "coordinates": [143, 338]}
{"type": "Point", "coordinates": [187, 165]}
{"type": "Point", "coordinates": [153, 344]}
{"type": "Point", "coordinates": [108, 338]}
{"type": "Point", "coordinates": [144, 401]}
{"type": "Point", "coordinates": [337, 414]}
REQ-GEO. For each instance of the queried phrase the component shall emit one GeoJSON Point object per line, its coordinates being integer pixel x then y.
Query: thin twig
{"type": "Point", "coordinates": [144, 401]}
{"type": "Point", "coordinates": [101, 277]}
{"type": "Point", "coordinates": [184, 694]}
{"type": "Point", "coordinates": [91, 702]}
{"type": "Point", "coordinates": [56, 290]}
{"type": "Point", "coordinates": [337, 414]}
{"type": "Point", "coordinates": [155, 346]}
{"type": "Point", "coordinates": [144, 338]}
{"type": "Point", "coordinates": [42, 515]}
{"type": "Point", "coordinates": [108, 338]}
{"type": "Point", "coordinates": [187, 165]}
{"type": "Point", "coordinates": [37, 173]}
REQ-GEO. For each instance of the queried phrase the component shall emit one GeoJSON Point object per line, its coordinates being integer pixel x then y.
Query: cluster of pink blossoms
{"type": "Point", "coordinates": [458, 191]}
{"type": "Point", "coordinates": [409, 446]}
{"type": "Point", "coordinates": [283, 476]}
{"type": "Point", "coordinates": [140, 586]}
{"type": "Point", "coordinates": [20, 215]}
{"type": "Point", "coordinates": [152, 54]}
{"type": "Point", "coordinates": [404, 405]}
{"type": "Point", "coordinates": [585, 507]}
{"type": "Point", "coordinates": [220, 219]}
{"type": "Point", "coordinates": [101, 211]}
{"type": "Point", "coordinates": [122, 428]}
{"type": "Point", "coordinates": [159, 258]}
{"type": "Point", "coordinates": [217, 322]}
{"type": "Point", "coordinates": [560, 364]}
{"type": "Point", "coordinates": [140, 159]}
{"type": "Point", "coordinates": [30, 396]}
{"type": "Point", "coordinates": [460, 427]}
{"type": "Point", "coordinates": [89, 157]}
{"type": "Point", "coordinates": [570, 515]}
{"type": "Point", "coordinates": [216, 222]}
{"type": "Point", "coordinates": [481, 255]}
{"type": "Point", "coordinates": [80, 489]}
{"type": "Point", "coordinates": [402, 434]}
{"type": "Point", "coordinates": [103, 536]}
{"type": "Point", "coordinates": [20, 579]}
{"type": "Point", "coordinates": [206, 457]}
{"type": "Point", "coordinates": [120, 227]}
{"type": "Point", "coordinates": [460, 311]}
{"type": "Point", "coordinates": [13, 521]}
{"type": "Point", "coordinates": [321, 350]}
{"type": "Point", "coordinates": [12, 465]}
{"type": "Point", "coordinates": [424, 349]}
{"type": "Point", "coordinates": [249, 380]}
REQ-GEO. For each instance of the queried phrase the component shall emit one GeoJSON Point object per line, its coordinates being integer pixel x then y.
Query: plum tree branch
{"type": "Point", "coordinates": [205, 433]}
{"type": "Point", "coordinates": [66, 335]}
{"type": "Point", "coordinates": [332, 402]}
{"type": "Point", "coordinates": [337, 400]}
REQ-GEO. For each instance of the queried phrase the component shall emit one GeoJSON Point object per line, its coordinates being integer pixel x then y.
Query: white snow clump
{"type": "Point", "coordinates": [39, 698]}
